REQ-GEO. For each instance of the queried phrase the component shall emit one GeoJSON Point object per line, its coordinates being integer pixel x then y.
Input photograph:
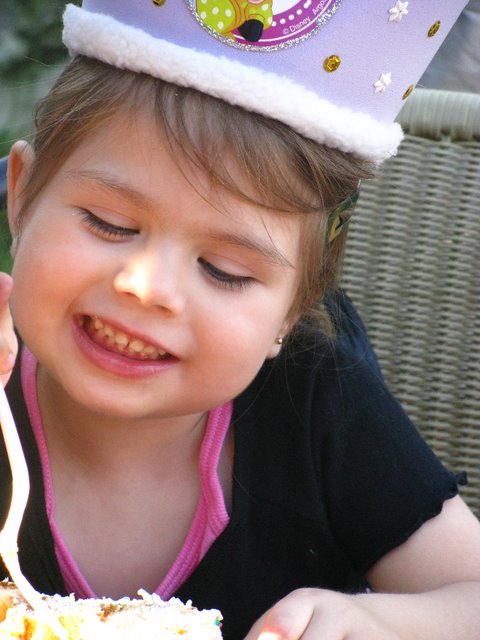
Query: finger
{"type": "Point", "coordinates": [6, 284]}
{"type": "Point", "coordinates": [286, 620]}
{"type": "Point", "coordinates": [8, 341]}
{"type": "Point", "coordinates": [7, 357]}
{"type": "Point", "coordinates": [6, 367]}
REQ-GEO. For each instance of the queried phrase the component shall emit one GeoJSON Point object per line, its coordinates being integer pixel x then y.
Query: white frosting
{"type": "Point", "coordinates": [148, 618]}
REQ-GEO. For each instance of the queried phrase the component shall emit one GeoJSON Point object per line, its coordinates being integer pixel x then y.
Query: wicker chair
{"type": "Point", "coordinates": [413, 271]}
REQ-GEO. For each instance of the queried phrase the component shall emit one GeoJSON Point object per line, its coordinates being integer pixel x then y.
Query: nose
{"type": "Point", "coordinates": [153, 279]}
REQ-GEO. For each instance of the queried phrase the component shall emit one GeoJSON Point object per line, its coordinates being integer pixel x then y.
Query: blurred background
{"type": "Point", "coordinates": [32, 55]}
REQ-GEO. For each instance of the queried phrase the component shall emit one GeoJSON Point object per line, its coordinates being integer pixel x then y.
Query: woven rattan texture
{"type": "Point", "coordinates": [413, 271]}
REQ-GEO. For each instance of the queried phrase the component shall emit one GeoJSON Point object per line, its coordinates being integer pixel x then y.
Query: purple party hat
{"type": "Point", "coordinates": [336, 71]}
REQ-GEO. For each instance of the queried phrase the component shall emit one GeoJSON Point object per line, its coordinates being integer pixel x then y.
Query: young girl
{"type": "Point", "coordinates": [189, 426]}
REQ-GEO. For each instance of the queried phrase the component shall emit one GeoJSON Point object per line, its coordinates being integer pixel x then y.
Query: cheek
{"type": "Point", "coordinates": [50, 247]}
{"type": "Point", "coordinates": [43, 269]}
{"type": "Point", "coordinates": [232, 359]}
{"type": "Point", "coordinates": [35, 286]}
{"type": "Point", "coordinates": [243, 327]}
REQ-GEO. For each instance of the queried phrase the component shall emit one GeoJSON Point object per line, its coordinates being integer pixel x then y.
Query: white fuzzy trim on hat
{"type": "Point", "coordinates": [106, 39]}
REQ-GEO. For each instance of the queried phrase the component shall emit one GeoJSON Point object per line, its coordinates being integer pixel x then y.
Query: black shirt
{"type": "Point", "coordinates": [329, 475]}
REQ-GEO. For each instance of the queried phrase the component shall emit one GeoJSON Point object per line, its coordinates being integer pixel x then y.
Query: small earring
{"type": "Point", "coordinates": [279, 340]}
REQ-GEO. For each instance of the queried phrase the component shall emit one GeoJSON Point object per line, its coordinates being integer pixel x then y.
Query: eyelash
{"type": "Point", "coordinates": [106, 229]}
{"type": "Point", "coordinates": [111, 231]}
{"type": "Point", "coordinates": [224, 279]}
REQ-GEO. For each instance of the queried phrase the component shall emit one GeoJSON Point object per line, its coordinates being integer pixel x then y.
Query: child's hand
{"type": "Point", "coordinates": [318, 614]}
{"type": "Point", "coordinates": [8, 340]}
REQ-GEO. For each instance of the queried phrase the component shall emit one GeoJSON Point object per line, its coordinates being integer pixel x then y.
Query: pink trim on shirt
{"type": "Point", "coordinates": [210, 518]}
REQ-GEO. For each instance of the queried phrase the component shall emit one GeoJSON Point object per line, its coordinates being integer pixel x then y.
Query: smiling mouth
{"type": "Point", "coordinates": [120, 342]}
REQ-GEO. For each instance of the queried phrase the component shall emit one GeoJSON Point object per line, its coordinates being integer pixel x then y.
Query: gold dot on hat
{"type": "Point", "coordinates": [408, 92]}
{"type": "Point", "coordinates": [434, 29]}
{"type": "Point", "coordinates": [159, 3]}
{"type": "Point", "coordinates": [331, 63]}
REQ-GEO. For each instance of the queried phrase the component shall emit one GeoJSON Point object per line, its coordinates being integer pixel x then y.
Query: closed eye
{"type": "Point", "coordinates": [224, 279]}
{"type": "Point", "coordinates": [106, 229]}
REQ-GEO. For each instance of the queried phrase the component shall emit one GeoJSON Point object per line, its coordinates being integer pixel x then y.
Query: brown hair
{"type": "Point", "coordinates": [283, 169]}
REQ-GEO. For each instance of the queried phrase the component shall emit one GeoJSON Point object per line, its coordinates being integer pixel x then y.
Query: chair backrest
{"type": "Point", "coordinates": [413, 270]}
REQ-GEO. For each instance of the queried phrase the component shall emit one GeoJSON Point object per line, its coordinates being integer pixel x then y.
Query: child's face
{"type": "Point", "coordinates": [138, 295]}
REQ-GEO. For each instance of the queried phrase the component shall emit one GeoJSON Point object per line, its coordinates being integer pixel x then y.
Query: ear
{"type": "Point", "coordinates": [19, 163]}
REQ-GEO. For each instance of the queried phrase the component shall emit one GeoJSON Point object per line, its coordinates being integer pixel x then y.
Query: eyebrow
{"type": "Point", "coordinates": [267, 251]}
{"type": "Point", "coordinates": [109, 183]}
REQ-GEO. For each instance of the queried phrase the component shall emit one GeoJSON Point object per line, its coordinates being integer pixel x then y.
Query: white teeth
{"type": "Point", "coordinates": [109, 332]}
{"type": "Point", "coordinates": [121, 339]}
{"type": "Point", "coordinates": [136, 346]}
{"type": "Point", "coordinates": [150, 350]}
{"type": "Point", "coordinates": [122, 342]}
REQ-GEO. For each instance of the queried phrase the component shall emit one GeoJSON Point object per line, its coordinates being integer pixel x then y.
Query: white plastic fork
{"type": "Point", "coordinates": [9, 533]}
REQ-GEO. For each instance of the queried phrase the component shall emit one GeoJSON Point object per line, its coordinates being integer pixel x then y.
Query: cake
{"type": "Point", "coordinates": [145, 618]}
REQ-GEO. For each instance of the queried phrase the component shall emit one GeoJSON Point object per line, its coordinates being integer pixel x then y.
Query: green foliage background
{"type": "Point", "coordinates": [31, 55]}
{"type": "Point", "coordinates": [30, 33]}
